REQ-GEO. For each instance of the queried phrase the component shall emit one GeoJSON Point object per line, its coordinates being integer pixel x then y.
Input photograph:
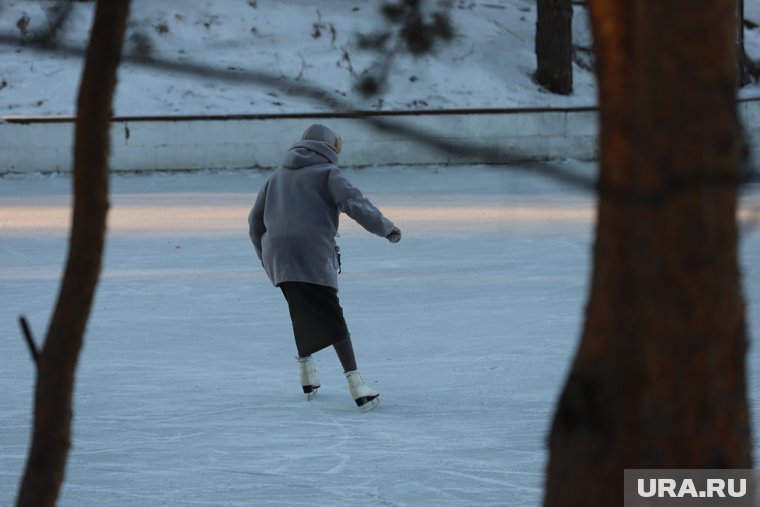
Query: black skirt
{"type": "Point", "coordinates": [316, 315]}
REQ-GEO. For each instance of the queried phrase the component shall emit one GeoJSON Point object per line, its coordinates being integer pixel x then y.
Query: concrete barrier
{"type": "Point", "coordinates": [193, 142]}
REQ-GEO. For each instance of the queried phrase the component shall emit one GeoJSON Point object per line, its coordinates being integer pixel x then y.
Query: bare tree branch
{"type": "Point", "coordinates": [27, 332]}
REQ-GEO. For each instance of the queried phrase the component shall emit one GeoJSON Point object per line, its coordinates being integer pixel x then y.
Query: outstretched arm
{"type": "Point", "coordinates": [351, 202]}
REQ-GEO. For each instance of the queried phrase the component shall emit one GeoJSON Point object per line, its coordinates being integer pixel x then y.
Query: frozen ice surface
{"type": "Point", "coordinates": [187, 388]}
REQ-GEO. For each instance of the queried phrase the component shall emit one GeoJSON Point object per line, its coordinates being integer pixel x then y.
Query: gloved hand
{"type": "Point", "coordinates": [394, 236]}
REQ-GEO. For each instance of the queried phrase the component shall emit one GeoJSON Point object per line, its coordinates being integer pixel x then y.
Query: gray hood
{"type": "Point", "coordinates": [307, 153]}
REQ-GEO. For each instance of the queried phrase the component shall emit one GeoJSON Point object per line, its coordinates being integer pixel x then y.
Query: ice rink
{"type": "Point", "coordinates": [187, 389]}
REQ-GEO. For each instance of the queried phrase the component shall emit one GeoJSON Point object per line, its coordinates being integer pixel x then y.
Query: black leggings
{"type": "Point", "coordinates": [345, 351]}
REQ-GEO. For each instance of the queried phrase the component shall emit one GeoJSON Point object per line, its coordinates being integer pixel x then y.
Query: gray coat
{"type": "Point", "coordinates": [295, 219]}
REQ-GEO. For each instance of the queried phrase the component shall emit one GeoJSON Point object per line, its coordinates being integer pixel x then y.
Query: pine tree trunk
{"type": "Point", "coordinates": [554, 46]}
{"type": "Point", "coordinates": [658, 380]}
{"type": "Point", "coordinates": [51, 437]}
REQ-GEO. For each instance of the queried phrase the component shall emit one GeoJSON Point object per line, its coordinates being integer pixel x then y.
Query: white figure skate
{"type": "Point", "coordinates": [365, 397]}
{"type": "Point", "coordinates": [309, 378]}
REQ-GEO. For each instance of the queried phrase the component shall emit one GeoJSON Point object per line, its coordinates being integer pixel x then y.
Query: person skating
{"type": "Point", "coordinates": [293, 225]}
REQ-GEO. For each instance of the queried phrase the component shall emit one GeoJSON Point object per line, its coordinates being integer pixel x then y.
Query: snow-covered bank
{"type": "Point", "coordinates": [488, 65]}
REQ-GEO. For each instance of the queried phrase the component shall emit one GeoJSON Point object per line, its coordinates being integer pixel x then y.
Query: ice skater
{"type": "Point", "coordinates": [293, 226]}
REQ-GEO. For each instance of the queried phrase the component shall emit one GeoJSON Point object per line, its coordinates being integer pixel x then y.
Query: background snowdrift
{"type": "Point", "coordinates": [489, 64]}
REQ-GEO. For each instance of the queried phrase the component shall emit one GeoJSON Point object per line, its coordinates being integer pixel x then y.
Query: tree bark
{"type": "Point", "coordinates": [658, 380]}
{"type": "Point", "coordinates": [46, 463]}
{"type": "Point", "coordinates": [554, 46]}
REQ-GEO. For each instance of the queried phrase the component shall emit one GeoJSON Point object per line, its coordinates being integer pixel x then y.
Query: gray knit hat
{"type": "Point", "coordinates": [323, 134]}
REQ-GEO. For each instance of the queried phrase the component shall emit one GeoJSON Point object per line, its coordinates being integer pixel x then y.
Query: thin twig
{"type": "Point", "coordinates": [27, 332]}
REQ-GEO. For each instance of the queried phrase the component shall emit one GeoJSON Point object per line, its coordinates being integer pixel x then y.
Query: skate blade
{"type": "Point", "coordinates": [367, 405]}
{"type": "Point", "coordinates": [311, 394]}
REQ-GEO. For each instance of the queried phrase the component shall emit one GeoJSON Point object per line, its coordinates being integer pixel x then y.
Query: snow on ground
{"type": "Point", "coordinates": [187, 390]}
{"type": "Point", "coordinates": [489, 64]}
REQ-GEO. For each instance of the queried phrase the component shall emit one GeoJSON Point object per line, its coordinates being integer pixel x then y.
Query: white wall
{"type": "Point", "coordinates": [176, 143]}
